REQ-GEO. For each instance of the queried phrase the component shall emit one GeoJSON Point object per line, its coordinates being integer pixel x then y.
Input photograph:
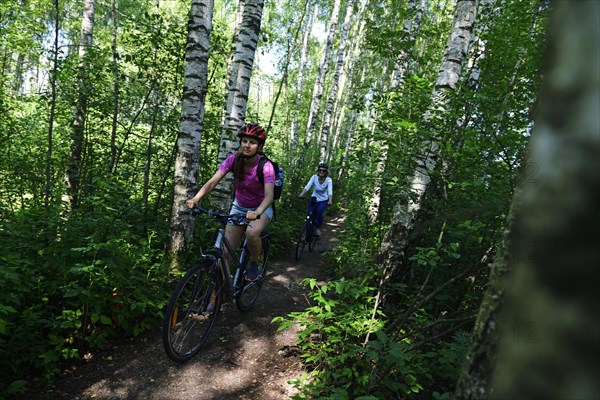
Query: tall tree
{"type": "Point", "coordinates": [412, 21]}
{"type": "Point", "coordinates": [536, 335]}
{"type": "Point", "coordinates": [116, 88]}
{"type": "Point", "coordinates": [190, 127]}
{"type": "Point", "coordinates": [77, 134]}
{"type": "Point", "coordinates": [322, 73]}
{"type": "Point", "coordinates": [394, 244]}
{"type": "Point", "coordinates": [291, 44]}
{"type": "Point", "coordinates": [311, 10]}
{"type": "Point", "coordinates": [336, 80]}
{"type": "Point", "coordinates": [231, 72]}
{"type": "Point", "coordinates": [239, 89]}
{"type": "Point", "coordinates": [48, 190]}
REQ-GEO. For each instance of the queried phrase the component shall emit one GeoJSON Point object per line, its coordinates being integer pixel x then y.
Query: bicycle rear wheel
{"type": "Point", "coordinates": [192, 310]}
{"type": "Point", "coordinates": [302, 241]}
{"type": "Point", "coordinates": [250, 290]}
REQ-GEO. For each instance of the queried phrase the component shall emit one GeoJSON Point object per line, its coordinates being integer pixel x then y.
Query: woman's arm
{"type": "Point", "coordinates": [206, 188]}
{"type": "Point", "coordinates": [307, 187]}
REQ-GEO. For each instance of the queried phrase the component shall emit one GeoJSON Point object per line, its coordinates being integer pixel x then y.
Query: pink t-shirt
{"type": "Point", "coordinates": [249, 192]}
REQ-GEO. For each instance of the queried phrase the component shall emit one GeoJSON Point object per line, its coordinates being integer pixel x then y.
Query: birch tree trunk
{"type": "Point", "coordinates": [72, 178]}
{"type": "Point", "coordinates": [153, 127]}
{"type": "Point", "coordinates": [230, 72]}
{"type": "Point", "coordinates": [396, 239]}
{"type": "Point", "coordinates": [310, 11]}
{"type": "Point", "coordinates": [116, 89]}
{"type": "Point", "coordinates": [243, 62]}
{"type": "Point", "coordinates": [291, 45]}
{"type": "Point", "coordinates": [336, 78]}
{"type": "Point", "coordinates": [544, 341]}
{"type": "Point", "coordinates": [351, 129]}
{"type": "Point", "coordinates": [320, 81]}
{"type": "Point", "coordinates": [190, 126]}
{"type": "Point", "coordinates": [409, 29]}
{"type": "Point", "coordinates": [348, 76]}
{"type": "Point", "coordinates": [48, 189]}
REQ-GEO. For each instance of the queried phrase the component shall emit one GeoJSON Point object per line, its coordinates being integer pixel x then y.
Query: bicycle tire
{"type": "Point", "coordinates": [188, 319]}
{"type": "Point", "coordinates": [301, 241]}
{"type": "Point", "coordinates": [312, 242]}
{"type": "Point", "coordinates": [250, 290]}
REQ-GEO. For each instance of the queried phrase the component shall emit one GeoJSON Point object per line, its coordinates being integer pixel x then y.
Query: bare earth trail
{"type": "Point", "coordinates": [244, 358]}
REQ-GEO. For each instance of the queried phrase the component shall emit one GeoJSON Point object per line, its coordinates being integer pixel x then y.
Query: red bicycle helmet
{"type": "Point", "coordinates": [254, 131]}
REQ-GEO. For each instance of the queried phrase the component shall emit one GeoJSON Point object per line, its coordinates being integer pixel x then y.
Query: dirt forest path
{"type": "Point", "coordinates": [246, 358]}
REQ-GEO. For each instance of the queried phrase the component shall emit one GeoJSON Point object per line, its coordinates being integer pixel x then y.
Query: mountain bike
{"type": "Point", "coordinates": [196, 301]}
{"type": "Point", "coordinates": [308, 234]}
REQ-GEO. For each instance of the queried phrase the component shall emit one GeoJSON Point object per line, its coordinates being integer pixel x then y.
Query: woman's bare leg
{"type": "Point", "coordinates": [253, 236]}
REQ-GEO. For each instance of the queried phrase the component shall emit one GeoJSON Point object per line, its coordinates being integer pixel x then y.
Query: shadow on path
{"type": "Point", "coordinates": [244, 358]}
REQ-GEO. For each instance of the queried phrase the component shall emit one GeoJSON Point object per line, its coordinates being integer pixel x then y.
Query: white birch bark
{"type": "Point", "coordinates": [324, 66]}
{"type": "Point", "coordinates": [336, 79]}
{"type": "Point", "coordinates": [231, 73]}
{"type": "Point", "coordinates": [411, 24]}
{"type": "Point", "coordinates": [190, 126]}
{"type": "Point", "coordinates": [404, 214]}
{"type": "Point", "coordinates": [243, 62]}
{"type": "Point", "coordinates": [311, 11]}
{"type": "Point", "coordinates": [348, 75]}
{"type": "Point", "coordinates": [72, 178]}
{"type": "Point", "coordinates": [351, 129]}
{"type": "Point", "coordinates": [116, 89]}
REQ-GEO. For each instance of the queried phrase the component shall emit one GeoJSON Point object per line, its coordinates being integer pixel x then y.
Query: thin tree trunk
{"type": "Point", "coordinates": [77, 133]}
{"type": "Point", "coordinates": [311, 10]}
{"type": "Point", "coordinates": [352, 59]}
{"type": "Point", "coordinates": [291, 45]}
{"type": "Point", "coordinates": [116, 90]}
{"type": "Point", "coordinates": [410, 27]}
{"type": "Point", "coordinates": [336, 78]}
{"type": "Point", "coordinates": [48, 191]}
{"type": "Point", "coordinates": [231, 66]}
{"type": "Point", "coordinates": [351, 130]}
{"type": "Point", "coordinates": [243, 63]}
{"type": "Point", "coordinates": [190, 127]}
{"type": "Point", "coordinates": [149, 142]}
{"type": "Point", "coordinates": [320, 82]}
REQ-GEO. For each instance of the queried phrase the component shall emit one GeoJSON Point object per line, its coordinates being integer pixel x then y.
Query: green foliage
{"type": "Point", "coordinates": [343, 366]}
{"type": "Point", "coordinates": [74, 280]}
{"type": "Point", "coordinates": [331, 335]}
{"type": "Point", "coordinates": [75, 285]}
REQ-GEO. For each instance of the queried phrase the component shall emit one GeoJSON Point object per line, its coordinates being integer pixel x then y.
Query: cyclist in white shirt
{"type": "Point", "coordinates": [321, 195]}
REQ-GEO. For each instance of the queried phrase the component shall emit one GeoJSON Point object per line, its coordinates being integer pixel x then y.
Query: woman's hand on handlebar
{"type": "Point", "coordinates": [190, 203]}
{"type": "Point", "coordinates": [252, 215]}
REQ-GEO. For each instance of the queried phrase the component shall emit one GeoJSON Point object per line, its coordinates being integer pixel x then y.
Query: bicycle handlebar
{"type": "Point", "coordinates": [219, 216]}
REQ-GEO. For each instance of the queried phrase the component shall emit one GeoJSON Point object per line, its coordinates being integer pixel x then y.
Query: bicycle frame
{"type": "Point", "coordinates": [196, 301]}
{"type": "Point", "coordinates": [221, 246]}
{"type": "Point", "coordinates": [311, 215]}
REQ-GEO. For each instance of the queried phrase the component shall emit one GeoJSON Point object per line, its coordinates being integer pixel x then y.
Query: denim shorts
{"type": "Point", "coordinates": [236, 209]}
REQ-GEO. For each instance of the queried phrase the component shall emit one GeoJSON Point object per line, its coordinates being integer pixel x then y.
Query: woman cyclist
{"type": "Point", "coordinates": [323, 191]}
{"type": "Point", "coordinates": [252, 199]}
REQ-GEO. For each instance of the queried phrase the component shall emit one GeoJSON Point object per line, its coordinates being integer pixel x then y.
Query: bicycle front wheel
{"type": "Point", "coordinates": [312, 243]}
{"type": "Point", "coordinates": [192, 310]}
{"type": "Point", "coordinates": [250, 290]}
{"type": "Point", "coordinates": [301, 241]}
